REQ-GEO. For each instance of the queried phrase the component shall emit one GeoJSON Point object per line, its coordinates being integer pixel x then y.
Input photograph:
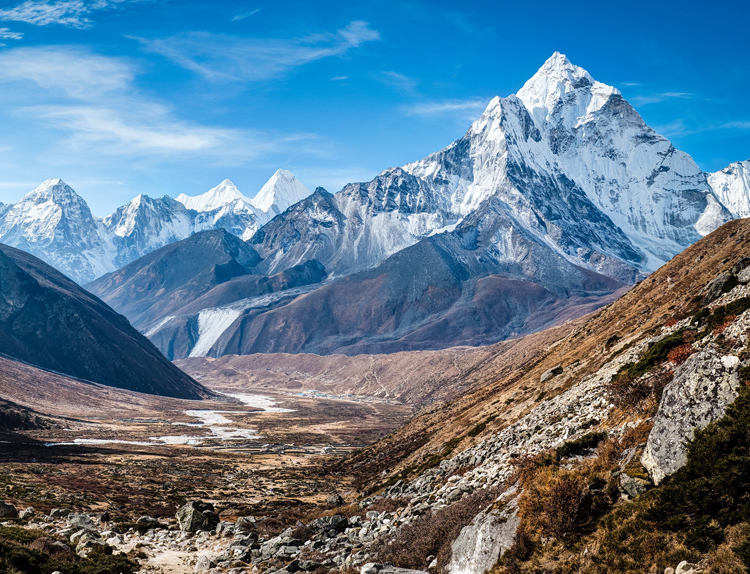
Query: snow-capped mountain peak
{"type": "Point", "coordinates": [279, 193]}
{"type": "Point", "coordinates": [732, 186]}
{"type": "Point", "coordinates": [55, 190]}
{"type": "Point", "coordinates": [219, 196]}
{"type": "Point", "coordinates": [559, 80]}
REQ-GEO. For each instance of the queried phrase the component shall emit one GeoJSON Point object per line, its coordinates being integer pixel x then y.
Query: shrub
{"type": "Point", "coordinates": [585, 442]}
{"type": "Point", "coordinates": [680, 354]}
{"type": "Point", "coordinates": [655, 354]}
{"type": "Point", "coordinates": [483, 425]}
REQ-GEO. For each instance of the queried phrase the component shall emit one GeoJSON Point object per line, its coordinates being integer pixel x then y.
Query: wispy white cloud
{"type": "Point", "coordinates": [71, 13]}
{"type": "Point", "coordinates": [339, 78]}
{"type": "Point", "coordinates": [245, 15]}
{"type": "Point", "coordinates": [219, 57]}
{"type": "Point", "coordinates": [655, 98]}
{"type": "Point", "coordinates": [399, 81]}
{"type": "Point", "coordinates": [86, 75]}
{"type": "Point", "coordinates": [680, 128]}
{"type": "Point", "coordinates": [470, 107]}
{"type": "Point", "coordinates": [98, 105]}
{"type": "Point", "coordinates": [7, 34]}
{"type": "Point", "coordinates": [737, 125]}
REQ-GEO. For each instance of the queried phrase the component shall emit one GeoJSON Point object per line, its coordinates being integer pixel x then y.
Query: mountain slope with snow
{"type": "Point", "coordinates": [224, 193]}
{"type": "Point", "coordinates": [550, 202]}
{"type": "Point", "coordinates": [279, 193]}
{"type": "Point", "coordinates": [732, 186]}
{"type": "Point", "coordinates": [656, 194]}
{"type": "Point", "coordinates": [55, 224]}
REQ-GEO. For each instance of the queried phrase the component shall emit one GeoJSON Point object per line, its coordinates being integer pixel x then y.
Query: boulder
{"type": "Point", "coordinates": [686, 567]}
{"type": "Point", "coordinates": [721, 284]}
{"type": "Point", "coordinates": [26, 513]}
{"type": "Point", "coordinates": [197, 515]}
{"type": "Point", "coordinates": [549, 374]}
{"type": "Point", "coordinates": [148, 522]}
{"type": "Point", "coordinates": [204, 563]}
{"type": "Point", "coordinates": [7, 510]}
{"type": "Point", "coordinates": [480, 544]}
{"type": "Point", "coordinates": [59, 513]}
{"type": "Point", "coordinates": [244, 524]}
{"type": "Point", "coordinates": [702, 388]}
{"type": "Point", "coordinates": [335, 499]}
{"type": "Point", "coordinates": [81, 521]}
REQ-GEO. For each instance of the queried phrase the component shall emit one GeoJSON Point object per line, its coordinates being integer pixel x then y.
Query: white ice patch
{"type": "Point", "coordinates": [211, 324]}
{"type": "Point", "coordinates": [260, 402]}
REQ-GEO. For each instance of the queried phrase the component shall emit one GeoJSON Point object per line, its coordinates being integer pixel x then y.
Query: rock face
{"type": "Point", "coordinates": [197, 515]}
{"type": "Point", "coordinates": [702, 389]}
{"type": "Point", "coordinates": [491, 533]}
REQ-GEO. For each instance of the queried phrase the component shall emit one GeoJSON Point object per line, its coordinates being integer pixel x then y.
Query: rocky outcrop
{"type": "Point", "coordinates": [481, 543]}
{"type": "Point", "coordinates": [700, 392]}
{"type": "Point", "coordinates": [197, 515]}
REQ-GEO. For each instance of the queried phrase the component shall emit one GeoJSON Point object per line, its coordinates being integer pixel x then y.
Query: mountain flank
{"type": "Point", "coordinates": [48, 321]}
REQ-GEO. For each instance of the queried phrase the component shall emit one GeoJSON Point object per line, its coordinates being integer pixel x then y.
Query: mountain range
{"type": "Point", "coordinates": [54, 223]}
{"type": "Point", "coordinates": [555, 199]}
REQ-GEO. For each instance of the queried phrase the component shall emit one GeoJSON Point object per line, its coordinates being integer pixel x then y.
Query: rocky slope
{"type": "Point", "coordinates": [558, 461]}
{"type": "Point", "coordinates": [48, 321]}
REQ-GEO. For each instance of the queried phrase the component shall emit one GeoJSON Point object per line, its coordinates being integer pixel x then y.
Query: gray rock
{"type": "Point", "coordinates": [245, 524]}
{"type": "Point", "coordinates": [148, 522]}
{"type": "Point", "coordinates": [480, 544]}
{"type": "Point", "coordinates": [721, 284]}
{"type": "Point", "coordinates": [686, 567]}
{"type": "Point", "coordinates": [59, 513]}
{"type": "Point", "coordinates": [744, 276]}
{"type": "Point", "coordinates": [633, 486]}
{"type": "Point", "coordinates": [7, 510]}
{"type": "Point", "coordinates": [81, 521]}
{"type": "Point", "coordinates": [197, 515]}
{"type": "Point", "coordinates": [26, 513]}
{"type": "Point", "coordinates": [702, 388]}
{"type": "Point", "coordinates": [204, 563]}
{"type": "Point", "coordinates": [335, 499]}
{"type": "Point", "coordinates": [553, 372]}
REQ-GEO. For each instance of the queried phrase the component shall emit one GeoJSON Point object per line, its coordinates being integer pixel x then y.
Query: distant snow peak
{"type": "Point", "coordinates": [224, 193]}
{"type": "Point", "coordinates": [732, 186]}
{"type": "Point", "coordinates": [279, 193]}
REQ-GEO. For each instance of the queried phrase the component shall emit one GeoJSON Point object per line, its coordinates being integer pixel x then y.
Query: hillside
{"type": "Point", "coordinates": [48, 321]}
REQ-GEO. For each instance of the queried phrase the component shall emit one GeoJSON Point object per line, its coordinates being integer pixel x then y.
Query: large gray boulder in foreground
{"type": "Point", "coordinates": [702, 389]}
{"type": "Point", "coordinates": [197, 515]}
{"type": "Point", "coordinates": [490, 534]}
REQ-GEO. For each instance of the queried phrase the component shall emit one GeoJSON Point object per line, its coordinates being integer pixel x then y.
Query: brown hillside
{"type": "Point", "coordinates": [670, 292]}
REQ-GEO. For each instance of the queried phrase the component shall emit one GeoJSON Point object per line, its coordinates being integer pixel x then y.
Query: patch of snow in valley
{"type": "Point", "coordinates": [260, 402]}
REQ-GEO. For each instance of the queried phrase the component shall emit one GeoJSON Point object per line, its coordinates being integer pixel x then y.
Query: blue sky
{"type": "Point", "coordinates": [120, 97]}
